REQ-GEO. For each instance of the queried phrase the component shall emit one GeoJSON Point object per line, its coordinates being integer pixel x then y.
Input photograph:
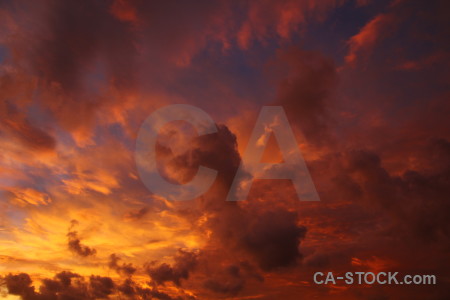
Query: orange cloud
{"type": "Point", "coordinates": [362, 44]}
{"type": "Point", "coordinates": [29, 196]}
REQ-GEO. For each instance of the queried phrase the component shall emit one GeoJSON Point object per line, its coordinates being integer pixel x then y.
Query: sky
{"type": "Point", "coordinates": [365, 88]}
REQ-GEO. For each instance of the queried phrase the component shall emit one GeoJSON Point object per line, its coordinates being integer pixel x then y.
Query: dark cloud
{"type": "Point", "coordinates": [268, 236]}
{"type": "Point", "coordinates": [65, 285]}
{"type": "Point", "coordinates": [66, 277]}
{"type": "Point", "coordinates": [16, 90]}
{"type": "Point", "coordinates": [270, 239]}
{"type": "Point", "coordinates": [384, 192]}
{"type": "Point", "coordinates": [217, 151]}
{"type": "Point", "coordinates": [133, 291]}
{"type": "Point", "coordinates": [137, 214]}
{"type": "Point", "coordinates": [127, 288]}
{"type": "Point", "coordinates": [75, 245]}
{"type": "Point", "coordinates": [71, 286]}
{"type": "Point", "coordinates": [20, 284]}
{"type": "Point", "coordinates": [195, 23]}
{"type": "Point", "coordinates": [62, 287]}
{"type": "Point", "coordinates": [230, 282]}
{"type": "Point", "coordinates": [31, 136]}
{"type": "Point", "coordinates": [75, 64]}
{"type": "Point", "coordinates": [184, 263]}
{"type": "Point", "coordinates": [305, 91]}
{"type": "Point", "coordinates": [101, 287]}
{"type": "Point", "coordinates": [416, 198]}
{"type": "Point", "coordinates": [126, 269]}
{"type": "Point", "coordinates": [68, 63]}
{"type": "Point", "coordinates": [227, 288]}
{"type": "Point", "coordinates": [73, 46]}
{"type": "Point", "coordinates": [273, 238]}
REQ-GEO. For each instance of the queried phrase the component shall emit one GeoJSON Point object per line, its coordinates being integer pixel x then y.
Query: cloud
{"type": "Point", "coordinates": [268, 237]}
{"type": "Point", "coordinates": [230, 282]}
{"type": "Point", "coordinates": [77, 79]}
{"type": "Point", "coordinates": [273, 239]}
{"type": "Point", "coordinates": [31, 136]}
{"type": "Point", "coordinates": [61, 287]}
{"type": "Point", "coordinates": [184, 263]}
{"type": "Point", "coordinates": [72, 70]}
{"type": "Point", "coordinates": [20, 284]}
{"type": "Point", "coordinates": [133, 291]}
{"type": "Point", "coordinates": [217, 151]}
{"type": "Point", "coordinates": [29, 196]}
{"type": "Point", "coordinates": [82, 75]}
{"type": "Point", "coordinates": [305, 91]}
{"type": "Point", "coordinates": [101, 287]}
{"type": "Point", "coordinates": [67, 285]}
{"type": "Point", "coordinates": [280, 19]}
{"type": "Point", "coordinates": [361, 44]}
{"type": "Point", "coordinates": [17, 88]}
{"type": "Point", "coordinates": [126, 269]}
{"type": "Point", "coordinates": [74, 243]}
{"type": "Point", "coordinates": [226, 288]}
{"type": "Point", "coordinates": [137, 214]}
{"type": "Point", "coordinates": [415, 198]}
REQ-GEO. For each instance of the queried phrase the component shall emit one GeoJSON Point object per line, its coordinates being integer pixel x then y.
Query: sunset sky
{"type": "Point", "coordinates": [365, 87]}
